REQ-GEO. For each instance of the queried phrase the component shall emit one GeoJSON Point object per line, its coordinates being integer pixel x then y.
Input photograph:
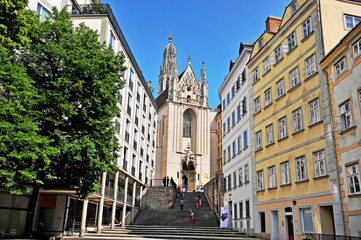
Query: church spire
{"type": "Point", "coordinates": [169, 69]}
{"type": "Point", "coordinates": [203, 74]}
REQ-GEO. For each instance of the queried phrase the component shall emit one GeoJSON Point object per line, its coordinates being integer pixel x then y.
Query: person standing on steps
{"type": "Point", "coordinates": [164, 181]}
{"type": "Point", "coordinates": [197, 202]}
{"type": "Point", "coordinates": [178, 192]}
{"type": "Point", "coordinates": [167, 181]}
{"type": "Point", "coordinates": [192, 215]}
{"type": "Point", "coordinates": [181, 204]}
{"type": "Point", "coordinates": [184, 191]}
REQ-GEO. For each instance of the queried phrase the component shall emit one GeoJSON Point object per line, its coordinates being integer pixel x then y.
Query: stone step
{"type": "Point", "coordinates": [173, 231]}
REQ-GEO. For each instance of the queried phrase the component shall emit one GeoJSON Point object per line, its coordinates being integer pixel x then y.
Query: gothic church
{"type": "Point", "coordinates": [183, 138]}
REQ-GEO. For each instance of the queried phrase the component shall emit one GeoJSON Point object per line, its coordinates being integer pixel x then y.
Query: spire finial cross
{"type": "Point", "coordinates": [170, 35]}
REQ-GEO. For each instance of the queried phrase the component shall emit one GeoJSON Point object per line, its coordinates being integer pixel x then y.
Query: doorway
{"type": "Point", "coordinates": [184, 181]}
{"type": "Point", "coordinates": [289, 233]}
{"type": "Point", "coordinates": [275, 227]}
{"type": "Point", "coordinates": [327, 220]}
{"type": "Point", "coordinates": [230, 216]}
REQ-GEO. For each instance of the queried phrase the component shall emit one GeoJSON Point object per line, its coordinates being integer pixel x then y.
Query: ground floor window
{"type": "Point", "coordinates": [262, 222]}
{"type": "Point", "coordinates": [306, 220]}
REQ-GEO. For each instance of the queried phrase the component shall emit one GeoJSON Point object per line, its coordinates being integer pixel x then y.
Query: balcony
{"type": "Point", "coordinates": [120, 195]}
{"type": "Point", "coordinates": [127, 136]}
{"type": "Point", "coordinates": [109, 192]}
{"type": "Point", "coordinates": [135, 145]}
{"type": "Point", "coordinates": [100, 188]}
{"type": "Point", "coordinates": [125, 165]}
{"type": "Point", "coordinates": [133, 171]}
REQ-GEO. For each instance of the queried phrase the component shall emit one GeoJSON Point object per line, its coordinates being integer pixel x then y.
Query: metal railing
{"type": "Point", "coordinates": [317, 236]}
{"type": "Point", "coordinates": [129, 199]}
{"type": "Point", "coordinates": [120, 195]}
{"type": "Point", "coordinates": [109, 192]}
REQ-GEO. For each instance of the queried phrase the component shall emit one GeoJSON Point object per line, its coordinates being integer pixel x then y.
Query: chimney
{"type": "Point", "coordinates": [273, 24]}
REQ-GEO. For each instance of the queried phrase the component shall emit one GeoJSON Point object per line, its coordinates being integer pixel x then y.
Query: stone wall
{"type": "Point", "coordinates": [214, 193]}
{"type": "Point", "coordinates": [159, 198]}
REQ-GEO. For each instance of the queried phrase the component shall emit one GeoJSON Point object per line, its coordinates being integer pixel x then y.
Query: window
{"type": "Point", "coordinates": [229, 153]}
{"type": "Point", "coordinates": [357, 49]}
{"type": "Point", "coordinates": [258, 140]}
{"type": "Point", "coordinates": [120, 97]}
{"type": "Point", "coordinates": [131, 73]}
{"type": "Point", "coordinates": [228, 99]}
{"type": "Point", "coordinates": [224, 128]}
{"type": "Point", "coordinates": [225, 184]}
{"type": "Point", "coordinates": [314, 108]}
{"type": "Point", "coordinates": [262, 221]}
{"type": "Point", "coordinates": [307, 27]}
{"type": "Point", "coordinates": [224, 104]}
{"type": "Point", "coordinates": [319, 163]}
{"type": "Point", "coordinates": [43, 13]}
{"type": "Point", "coordinates": [351, 21]}
{"type": "Point", "coordinates": [301, 170]}
{"type": "Point", "coordinates": [239, 141]}
{"type": "Point", "coordinates": [278, 53]}
{"type": "Point", "coordinates": [280, 88]}
{"type": "Point", "coordinates": [187, 125]}
{"type": "Point", "coordinates": [234, 148]}
{"type": "Point", "coordinates": [111, 39]}
{"type": "Point", "coordinates": [238, 112]}
{"type": "Point", "coordinates": [229, 124]}
{"type": "Point", "coordinates": [234, 180]}
{"type": "Point", "coordinates": [282, 128]}
{"type": "Point", "coordinates": [257, 105]}
{"type": "Point", "coordinates": [117, 125]}
{"type": "Point", "coordinates": [233, 119]}
{"type": "Point", "coordinates": [310, 64]}
{"type": "Point", "coordinates": [260, 43]}
{"type": "Point", "coordinates": [340, 67]}
{"type": "Point", "coordinates": [269, 134]}
{"type": "Point", "coordinates": [255, 75]}
{"type": "Point", "coordinates": [285, 173]}
{"type": "Point", "coordinates": [235, 211]}
{"type": "Point", "coordinates": [247, 209]}
{"type": "Point", "coordinates": [266, 65]}
{"type": "Point", "coordinates": [297, 120]}
{"type": "Point", "coordinates": [224, 156]}
{"type": "Point", "coordinates": [272, 177]}
{"type": "Point", "coordinates": [129, 109]}
{"type": "Point", "coordinates": [244, 105]}
{"type": "Point", "coordinates": [229, 182]}
{"type": "Point", "coordinates": [245, 143]}
{"type": "Point", "coordinates": [246, 173]}
{"type": "Point", "coordinates": [346, 115]}
{"type": "Point", "coordinates": [232, 91]}
{"type": "Point", "coordinates": [353, 176]}
{"type": "Point", "coordinates": [306, 221]}
{"type": "Point", "coordinates": [238, 83]}
{"type": "Point", "coordinates": [294, 7]}
{"type": "Point", "coordinates": [260, 183]}
{"type": "Point", "coordinates": [241, 209]}
{"type": "Point", "coordinates": [244, 75]}
{"type": "Point", "coordinates": [240, 176]}
{"type": "Point", "coordinates": [294, 78]}
{"type": "Point", "coordinates": [267, 97]}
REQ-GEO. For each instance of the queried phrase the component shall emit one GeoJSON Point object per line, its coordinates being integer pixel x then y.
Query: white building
{"type": "Point", "coordinates": [234, 95]}
{"type": "Point", "coordinates": [119, 193]}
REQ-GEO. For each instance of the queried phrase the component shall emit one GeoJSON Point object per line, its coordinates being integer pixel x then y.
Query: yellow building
{"type": "Point", "coordinates": [296, 171]}
{"type": "Point", "coordinates": [343, 67]}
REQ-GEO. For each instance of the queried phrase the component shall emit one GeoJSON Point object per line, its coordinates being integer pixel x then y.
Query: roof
{"type": "Point", "coordinates": [162, 98]}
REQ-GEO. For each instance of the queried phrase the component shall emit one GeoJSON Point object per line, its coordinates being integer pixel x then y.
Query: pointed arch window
{"type": "Point", "coordinates": [187, 125]}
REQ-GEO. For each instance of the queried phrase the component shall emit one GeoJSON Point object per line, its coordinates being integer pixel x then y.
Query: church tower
{"type": "Point", "coordinates": [183, 137]}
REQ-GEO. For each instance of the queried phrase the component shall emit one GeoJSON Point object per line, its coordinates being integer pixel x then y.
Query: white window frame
{"type": "Point", "coordinates": [291, 41]}
{"type": "Point", "coordinates": [307, 27]}
{"type": "Point", "coordinates": [239, 142]}
{"type": "Point", "coordinates": [354, 21]}
{"type": "Point", "coordinates": [356, 49]}
{"type": "Point", "coordinates": [259, 140]}
{"type": "Point", "coordinates": [340, 67]}
{"type": "Point", "coordinates": [246, 173]}
{"type": "Point", "coordinates": [346, 115]}
{"type": "Point", "coordinates": [297, 120]}
{"type": "Point", "coordinates": [282, 128]}
{"type": "Point", "coordinates": [285, 173]}
{"type": "Point", "coordinates": [278, 53]}
{"type": "Point", "coordinates": [260, 43]}
{"type": "Point", "coordinates": [271, 171]}
{"type": "Point", "coordinates": [303, 220]}
{"type": "Point", "coordinates": [301, 169]}
{"type": "Point", "coordinates": [257, 104]}
{"type": "Point", "coordinates": [266, 65]}
{"type": "Point", "coordinates": [234, 149]}
{"type": "Point", "coordinates": [353, 178]}
{"type": "Point", "coordinates": [255, 75]}
{"type": "Point", "coordinates": [240, 176]}
{"type": "Point", "coordinates": [310, 66]}
{"type": "Point", "coordinates": [314, 111]}
{"type": "Point", "coordinates": [269, 134]}
{"type": "Point", "coordinates": [319, 162]}
{"type": "Point", "coordinates": [280, 88]}
{"type": "Point", "coordinates": [267, 97]}
{"type": "Point", "coordinates": [43, 12]}
{"type": "Point", "coordinates": [294, 78]}
{"type": "Point", "coordinates": [260, 180]}
{"type": "Point", "coordinates": [293, 7]}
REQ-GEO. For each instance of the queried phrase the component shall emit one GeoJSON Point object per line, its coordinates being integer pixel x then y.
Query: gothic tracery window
{"type": "Point", "coordinates": [187, 125]}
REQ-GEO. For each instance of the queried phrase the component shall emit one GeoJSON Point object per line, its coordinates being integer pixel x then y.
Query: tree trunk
{"type": "Point", "coordinates": [31, 212]}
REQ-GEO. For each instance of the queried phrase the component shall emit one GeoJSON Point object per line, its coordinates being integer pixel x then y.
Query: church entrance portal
{"type": "Point", "coordinates": [189, 179]}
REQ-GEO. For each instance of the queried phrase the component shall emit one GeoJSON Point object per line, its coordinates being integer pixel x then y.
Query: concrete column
{"type": "Point", "coordinates": [83, 218]}
{"type": "Point", "coordinates": [114, 207]}
{"type": "Point", "coordinates": [125, 200]}
{"type": "Point", "coordinates": [101, 205]}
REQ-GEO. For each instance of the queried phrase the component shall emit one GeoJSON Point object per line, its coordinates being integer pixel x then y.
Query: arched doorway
{"type": "Point", "coordinates": [289, 232]}
{"type": "Point", "coordinates": [188, 171]}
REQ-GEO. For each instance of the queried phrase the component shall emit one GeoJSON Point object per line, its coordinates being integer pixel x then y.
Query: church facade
{"type": "Point", "coordinates": [183, 151]}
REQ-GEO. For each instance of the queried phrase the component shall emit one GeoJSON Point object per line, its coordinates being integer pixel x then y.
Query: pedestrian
{"type": "Point", "coordinates": [200, 201]}
{"type": "Point", "coordinates": [167, 181]}
{"type": "Point", "coordinates": [192, 215]}
{"type": "Point", "coordinates": [178, 192]}
{"type": "Point", "coordinates": [184, 191]}
{"type": "Point", "coordinates": [172, 183]}
{"type": "Point", "coordinates": [197, 202]}
{"type": "Point", "coordinates": [164, 181]}
{"type": "Point", "coordinates": [181, 204]}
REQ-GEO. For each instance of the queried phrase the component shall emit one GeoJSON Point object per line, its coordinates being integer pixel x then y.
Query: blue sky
{"type": "Point", "coordinates": [208, 30]}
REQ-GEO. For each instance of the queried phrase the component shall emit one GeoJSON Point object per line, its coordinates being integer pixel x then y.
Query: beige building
{"type": "Point", "coordinates": [183, 150]}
